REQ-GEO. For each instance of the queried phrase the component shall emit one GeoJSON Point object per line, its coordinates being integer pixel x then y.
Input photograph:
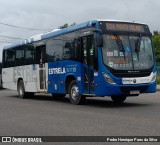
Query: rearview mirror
{"type": "Point", "coordinates": [98, 37]}
{"type": "Point", "coordinates": [99, 41]}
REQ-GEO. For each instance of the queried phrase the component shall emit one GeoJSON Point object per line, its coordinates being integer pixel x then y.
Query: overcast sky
{"type": "Point", "coordinates": [50, 14]}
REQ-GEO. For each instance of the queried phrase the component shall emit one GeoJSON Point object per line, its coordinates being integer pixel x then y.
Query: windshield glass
{"type": "Point", "coordinates": [127, 52]}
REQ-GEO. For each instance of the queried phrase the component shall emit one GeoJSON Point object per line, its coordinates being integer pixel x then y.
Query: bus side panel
{"type": "Point", "coordinates": [57, 73]}
{"type": "Point", "coordinates": [53, 75]}
{"type": "Point", "coordinates": [8, 79]}
{"type": "Point", "coordinates": [30, 77]}
{"type": "Point", "coordinates": [26, 73]}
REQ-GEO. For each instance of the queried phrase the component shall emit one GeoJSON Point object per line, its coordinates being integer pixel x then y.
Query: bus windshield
{"type": "Point", "coordinates": [122, 52]}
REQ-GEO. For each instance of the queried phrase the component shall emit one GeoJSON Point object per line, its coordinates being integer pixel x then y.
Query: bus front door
{"type": "Point", "coordinates": [88, 61]}
{"type": "Point", "coordinates": [40, 57]}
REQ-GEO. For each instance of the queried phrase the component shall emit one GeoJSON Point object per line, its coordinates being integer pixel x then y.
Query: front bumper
{"type": "Point", "coordinates": [111, 90]}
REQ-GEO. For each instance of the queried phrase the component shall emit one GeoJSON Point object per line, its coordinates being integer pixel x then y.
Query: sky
{"type": "Point", "coordinates": [50, 14]}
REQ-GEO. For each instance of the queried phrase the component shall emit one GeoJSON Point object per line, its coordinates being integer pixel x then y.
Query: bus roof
{"type": "Point", "coordinates": [57, 32]}
{"type": "Point", "coordinates": [124, 21]}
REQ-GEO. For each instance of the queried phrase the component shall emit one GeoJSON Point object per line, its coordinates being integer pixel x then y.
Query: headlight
{"type": "Point", "coordinates": [108, 78]}
{"type": "Point", "coordinates": [154, 77]}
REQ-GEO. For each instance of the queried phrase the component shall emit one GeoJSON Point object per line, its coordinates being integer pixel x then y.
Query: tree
{"type": "Point", "coordinates": [66, 25]}
{"type": "Point", "coordinates": [156, 42]}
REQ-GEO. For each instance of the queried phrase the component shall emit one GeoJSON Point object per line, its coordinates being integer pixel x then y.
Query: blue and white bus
{"type": "Point", "coordinates": [96, 58]}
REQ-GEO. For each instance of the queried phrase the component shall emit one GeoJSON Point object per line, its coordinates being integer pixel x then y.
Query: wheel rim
{"type": "Point", "coordinates": [20, 91]}
{"type": "Point", "coordinates": [74, 93]}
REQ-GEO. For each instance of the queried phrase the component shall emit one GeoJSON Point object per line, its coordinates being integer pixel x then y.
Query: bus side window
{"type": "Point", "coordinates": [54, 49]}
{"type": "Point", "coordinates": [30, 54]}
{"type": "Point", "coordinates": [90, 51]}
{"type": "Point", "coordinates": [95, 53]}
{"type": "Point", "coordinates": [78, 49]}
{"type": "Point", "coordinates": [85, 52]}
{"type": "Point", "coordinates": [20, 60]}
{"type": "Point", "coordinates": [71, 50]}
{"type": "Point", "coordinates": [9, 58]}
{"type": "Point", "coordinates": [4, 59]}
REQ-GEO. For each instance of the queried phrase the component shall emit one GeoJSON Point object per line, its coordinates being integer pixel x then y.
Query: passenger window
{"type": "Point", "coordinates": [71, 47]}
{"type": "Point", "coordinates": [20, 57]}
{"type": "Point", "coordinates": [30, 55]}
{"type": "Point", "coordinates": [54, 49]}
{"type": "Point", "coordinates": [9, 58]}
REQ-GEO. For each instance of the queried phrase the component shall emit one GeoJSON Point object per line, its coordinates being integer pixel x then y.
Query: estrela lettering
{"type": "Point", "coordinates": [58, 70]}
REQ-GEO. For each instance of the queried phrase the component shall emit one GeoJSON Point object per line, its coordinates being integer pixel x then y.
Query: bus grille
{"type": "Point", "coordinates": [127, 90]}
{"type": "Point", "coordinates": [131, 75]}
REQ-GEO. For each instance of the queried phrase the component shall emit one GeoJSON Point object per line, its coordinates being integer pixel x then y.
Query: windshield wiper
{"type": "Point", "coordinates": [120, 44]}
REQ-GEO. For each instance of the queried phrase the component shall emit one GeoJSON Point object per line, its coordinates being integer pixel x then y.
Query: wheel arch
{"type": "Point", "coordinates": [18, 80]}
{"type": "Point", "coordinates": [68, 80]}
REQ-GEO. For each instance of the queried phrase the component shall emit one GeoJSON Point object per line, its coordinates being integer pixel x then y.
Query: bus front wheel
{"type": "Point", "coordinates": [118, 99]}
{"type": "Point", "coordinates": [74, 95]}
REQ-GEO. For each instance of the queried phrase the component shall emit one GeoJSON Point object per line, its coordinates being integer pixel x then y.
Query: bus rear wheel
{"type": "Point", "coordinates": [21, 90]}
{"type": "Point", "coordinates": [74, 95]}
{"type": "Point", "coordinates": [118, 99]}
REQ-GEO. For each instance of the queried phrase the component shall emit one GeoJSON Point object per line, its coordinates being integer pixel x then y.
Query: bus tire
{"type": "Point", "coordinates": [21, 90]}
{"type": "Point", "coordinates": [74, 95]}
{"type": "Point", "coordinates": [118, 99]}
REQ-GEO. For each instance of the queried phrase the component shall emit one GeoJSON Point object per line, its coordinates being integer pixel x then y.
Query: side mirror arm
{"type": "Point", "coordinates": [98, 37]}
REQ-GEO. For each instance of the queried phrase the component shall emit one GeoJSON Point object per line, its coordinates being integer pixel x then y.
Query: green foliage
{"type": "Point", "coordinates": [158, 80]}
{"type": "Point", "coordinates": [66, 25]}
{"type": "Point", "coordinates": [156, 42]}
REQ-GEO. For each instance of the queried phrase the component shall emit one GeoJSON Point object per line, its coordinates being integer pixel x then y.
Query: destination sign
{"type": "Point", "coordinates": [124, 27]}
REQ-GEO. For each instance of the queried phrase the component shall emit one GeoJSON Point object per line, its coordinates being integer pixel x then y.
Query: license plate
{"type": "Point", "coordinates": [134, 92]}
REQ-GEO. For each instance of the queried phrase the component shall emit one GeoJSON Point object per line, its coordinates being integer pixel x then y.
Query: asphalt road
{"type": "Point", "coordinates": [45, 116]}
